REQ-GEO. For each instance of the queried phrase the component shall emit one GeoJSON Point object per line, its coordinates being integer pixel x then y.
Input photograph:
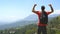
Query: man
{"type": "Point", "coordinates": [41, 26]}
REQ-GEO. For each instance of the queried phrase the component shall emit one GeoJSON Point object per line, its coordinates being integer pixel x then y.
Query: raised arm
{"type": "Point", "coordinates": [52, 10]}
{"type": "Point", "coordinates": [33, 9]}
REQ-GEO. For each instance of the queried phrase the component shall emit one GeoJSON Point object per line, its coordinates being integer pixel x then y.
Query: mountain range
{"type": "Point", "coordinates": [28, 20]}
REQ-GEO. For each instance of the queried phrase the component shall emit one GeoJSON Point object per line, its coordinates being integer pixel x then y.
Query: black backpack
{"type": "Point", "coordinates": [44, 18]}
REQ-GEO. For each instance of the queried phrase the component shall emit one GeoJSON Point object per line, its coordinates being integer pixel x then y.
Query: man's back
{"type": "Point", "coordinates": [39, 15]}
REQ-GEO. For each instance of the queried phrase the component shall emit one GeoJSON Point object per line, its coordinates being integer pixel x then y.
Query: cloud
{"type": "Point", "coordinates": [9, 18]}
{"type": "Point", "coordinates": [12, 18]}
{"type": "Point", "coordinates": [56, 12]}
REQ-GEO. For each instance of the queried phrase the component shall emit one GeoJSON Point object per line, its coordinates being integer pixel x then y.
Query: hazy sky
{"type": "Point", "coordinates": [12, 10]}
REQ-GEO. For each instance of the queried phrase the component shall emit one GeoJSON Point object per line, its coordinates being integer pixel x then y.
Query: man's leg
{"type": "Point", "coordinates": [39, 30]}
{"type": "Point", "coordinates": [44, 30]}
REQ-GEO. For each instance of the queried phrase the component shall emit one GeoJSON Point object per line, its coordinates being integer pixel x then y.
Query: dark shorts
{"type": "Point", "coordinates": [42, 29]}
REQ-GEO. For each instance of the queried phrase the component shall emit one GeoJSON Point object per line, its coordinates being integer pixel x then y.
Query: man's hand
{"type": "Point", "coordinates": [33, 9]}
{"type": "Point", "coordinates": [51, 8]}
{"type": "Point", "coordinates": [35, 5]}
{"type": "Point", "coordinates": [50, 5]}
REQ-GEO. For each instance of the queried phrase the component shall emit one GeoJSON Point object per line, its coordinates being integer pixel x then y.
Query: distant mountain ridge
{"type": "Point", "coordinates": [28, 20]}
{"type": "Point", "coordinates": [35, 17]}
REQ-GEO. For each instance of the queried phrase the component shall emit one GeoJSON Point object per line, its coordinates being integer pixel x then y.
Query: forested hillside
{"type": "Point", "coordinates": [52, 28]}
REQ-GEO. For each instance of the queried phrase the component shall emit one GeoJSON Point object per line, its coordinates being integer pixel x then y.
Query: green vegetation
{"type": "Point", "coordinates": [52, 28]}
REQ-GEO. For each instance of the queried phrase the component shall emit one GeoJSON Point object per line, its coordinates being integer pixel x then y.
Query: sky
{"type": "Point", "coordinates": [13, 10]}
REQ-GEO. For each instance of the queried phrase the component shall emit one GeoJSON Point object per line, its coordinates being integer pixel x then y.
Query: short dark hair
{"type": "Point", "coordinates": [42, 7]}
